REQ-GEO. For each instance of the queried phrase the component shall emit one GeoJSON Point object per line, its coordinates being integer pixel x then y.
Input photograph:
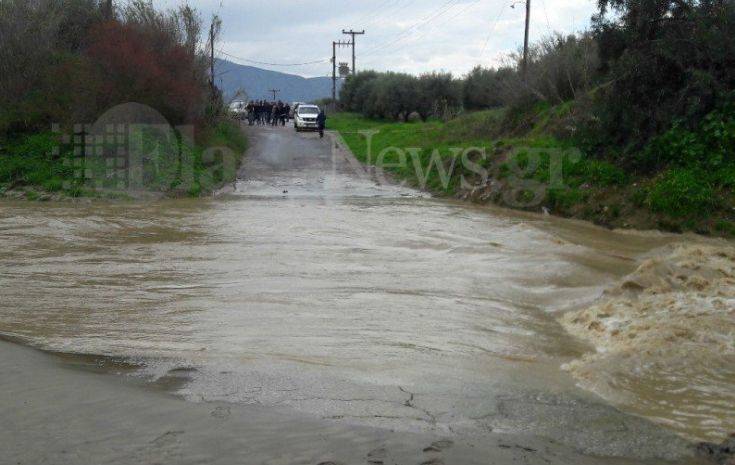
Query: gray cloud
{"type": "Point", "coordinates": [413, 36]}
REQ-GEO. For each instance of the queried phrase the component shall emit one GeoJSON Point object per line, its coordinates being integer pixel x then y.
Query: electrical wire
{"type": "Point", "coordinates": [423, 22]}
{"type": "Point", "coordinates": [492, 30]}
{"type": "Point", "coordinates": [546, 14]}
{"type": "Point", "coordinates": [376, 17]}
{"type": "Point", "coordinates": [428, 30]}
{"type": "Point", "coordinates": [306, 63]}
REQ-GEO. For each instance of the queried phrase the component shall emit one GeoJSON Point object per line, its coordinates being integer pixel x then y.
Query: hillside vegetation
{"type": "Point", "coordinates": [65, 63]}
{"type": "Point", "coordinates": [637, 114]}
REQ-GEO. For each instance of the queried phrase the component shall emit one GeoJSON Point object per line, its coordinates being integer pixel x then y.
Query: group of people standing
{"type": "Point", "coordinates": [268, 113]}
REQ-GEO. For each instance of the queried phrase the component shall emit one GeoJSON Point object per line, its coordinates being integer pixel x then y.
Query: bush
{"type": "Point", "coordinates": [562, 67]}
{"type": "Point", "coordinates": [398, 95]}
{"type": "Point", "coordinates": [85, 60]}
{"type": "Point", "coordinates": [33, 160]}
{"type": "Point", "coordinates": [602, 173]}
{"type": "Point", "coordinates": [725, 227]}
{"type": "Point", "coordinates": [354, 92]}
{"type": "Point", "coordinates": [439, 95]}
{"type": "Point", "coordinates": [666, 61]}
{"type": "Point", "coordinates": [565, 199]}
{"type": "Point", "coordinates": [710, 146]}
{"type": "Point", "coordinates": [680, 193]}
{"type": "Point", "coordinates": [483, 88]}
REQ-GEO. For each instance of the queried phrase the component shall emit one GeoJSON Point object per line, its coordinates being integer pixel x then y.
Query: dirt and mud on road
{"type": "Point", "coordinates": [313, 315]}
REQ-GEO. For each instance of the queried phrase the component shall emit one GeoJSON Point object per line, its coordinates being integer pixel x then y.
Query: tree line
{"type": "Point", "coordinates": [644, 67]}
{"type": "Point", "coordinates": [67, 61]}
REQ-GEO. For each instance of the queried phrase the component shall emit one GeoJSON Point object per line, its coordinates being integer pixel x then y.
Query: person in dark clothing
{"type": "Point", "coordinates": [274, 114]}
{"type": "Point", "coordinates": [321, 122]}
{"type": "Point", "coordinates": [259, 112]}
{"type": "Point", "coordinates": [251, 113]}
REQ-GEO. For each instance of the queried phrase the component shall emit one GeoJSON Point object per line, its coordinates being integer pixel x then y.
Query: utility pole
{"type": "Point", "coordinates": [214, 30]}
{"type": "Point", "coordinates": [353, 34]}
{"type": "Point", "coordinates": [211, 57]}
{"type": "Point", "coordinates": [107, 10]}
{"type": "Point", "coordinates": [335, 44]}
{"type": "Point", "coordinates": [274, 92]}
{"type": "Point", "coordinates": [525, 41]}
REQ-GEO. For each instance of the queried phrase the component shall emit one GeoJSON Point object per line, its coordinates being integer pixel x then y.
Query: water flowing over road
{"type": "Point", "coordinates": [313, 287]}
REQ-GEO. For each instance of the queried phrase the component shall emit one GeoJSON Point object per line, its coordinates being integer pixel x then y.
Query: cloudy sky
{"type": "Point", "coordinates": [413, 36]}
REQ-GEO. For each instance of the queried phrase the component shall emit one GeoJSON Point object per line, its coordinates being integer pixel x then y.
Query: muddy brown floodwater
{"type": "Point", "coordinates": [311, 287]}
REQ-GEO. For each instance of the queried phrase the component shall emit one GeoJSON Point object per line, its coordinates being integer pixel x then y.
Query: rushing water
{"type": "Point", "coordinates": [345, 299]}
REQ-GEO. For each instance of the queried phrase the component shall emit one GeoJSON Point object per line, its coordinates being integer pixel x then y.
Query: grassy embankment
{"type": "Point", "coordinates": [31, 168]}
{"type": "Point", "coordinates": [534, 170]}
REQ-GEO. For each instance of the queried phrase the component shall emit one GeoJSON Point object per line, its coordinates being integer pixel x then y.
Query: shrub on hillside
{"type": "Point", "coordinates": [135, 68]}
{"type": "Point", "coordinates": [562, 67]}
{"type": "Point", "coordinates": [666, 60]}
{"type": "Point", "coordinates": [483, 88]}
{"type": "Point", "coordinates": [84, 60]}
{"type": "Point", "coordinates": [559, 69]}
{"type": "Point", "coordinates": [681, 192]}
{"type": "Point", "coordinates": [709, 146]}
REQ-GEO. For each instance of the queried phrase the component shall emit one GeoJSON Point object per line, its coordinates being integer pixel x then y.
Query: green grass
{"type": "Point", "coordinates": [417, 152]}
{"type": "Point", "coordinates": [40, 162]}
{"type": "Point", "coordinates": [31, 161]}
{"type": "Point", "coordinates": [682, 193]}
{"type": "Point", "coordinates": [684, 197]}
{"type": "Point", "coordinates": [539, 157]}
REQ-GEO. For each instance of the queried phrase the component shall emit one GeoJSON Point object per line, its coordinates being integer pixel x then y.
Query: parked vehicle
{"type": "Point", "coordinates": [294, 106]}
{"type": "Point", "coordinates": [305, 118]}
{"type": "Point", "coordinates": [238, 110]}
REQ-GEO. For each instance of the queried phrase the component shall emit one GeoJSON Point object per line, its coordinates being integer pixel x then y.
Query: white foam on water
{"type": "Point", "coordinates": [664, 339]}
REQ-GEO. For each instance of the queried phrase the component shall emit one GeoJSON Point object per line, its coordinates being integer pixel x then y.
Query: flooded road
{"type": "Point", "coordinates": [311, 287]}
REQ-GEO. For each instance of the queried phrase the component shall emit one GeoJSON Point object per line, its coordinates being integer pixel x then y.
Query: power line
{"type": "Point", "coordinates": [428, 30]}
{"type": "Point", "coordinates": [422, 22]}
{"type": "Point", "coordinates": [376, 17]}
{"type": "Point", "coordinates": [325, 60]}
{"type": "Point", "coordinates": [546, 14]}
{"type": "Point", "coordinates": [492, 30]}
{"type": "Point", "coordinates": [412, 28]}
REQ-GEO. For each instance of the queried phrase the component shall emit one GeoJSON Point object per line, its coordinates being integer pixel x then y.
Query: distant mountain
{"type": "Point", "coordinates": [256, 82]}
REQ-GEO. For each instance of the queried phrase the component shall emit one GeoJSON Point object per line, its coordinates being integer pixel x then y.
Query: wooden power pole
{"type": "Point", "coordinates": [525, 40]}
{"type": "Point", "coordinates": [108, 10]}
{"type": "Point", "coordinates": [335, 44]}
{"type": "Point", "coordinates": [353, 34]}
{"type": "Point", "coordinates": [274, 92]}
{"type": "Point", "coordinates": [214, 30]}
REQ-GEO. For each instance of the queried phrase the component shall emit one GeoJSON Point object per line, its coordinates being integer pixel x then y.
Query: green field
{"type": "Point", "coordinates": [534, 170]}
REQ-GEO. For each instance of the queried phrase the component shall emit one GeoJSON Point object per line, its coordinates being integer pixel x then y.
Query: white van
{"type": "Point", "coordinates": [304, 118]}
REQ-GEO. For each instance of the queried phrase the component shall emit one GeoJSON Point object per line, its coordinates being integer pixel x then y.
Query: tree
{"type": "Point", "coordinates": [438, 93]}
{"type": "Point", "coordinates": [668, 60]}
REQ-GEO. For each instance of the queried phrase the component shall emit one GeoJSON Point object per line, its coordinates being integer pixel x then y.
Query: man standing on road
{"type": "Point", "coordinates": [321, 122]}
